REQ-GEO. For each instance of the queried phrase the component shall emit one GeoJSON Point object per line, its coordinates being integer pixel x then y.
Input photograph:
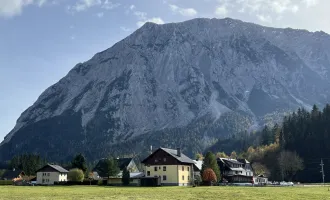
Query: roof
{"type": "Point", "coordinates": [123, 162]}
{"type": "Point", "coordinates": [11, 174]}
{"type": "Point", "coordinates": [234, 161]}
{"type": "Point", "coordinates": [198, 164]}
{"type": "Point", "coordinates": [56, 167]}
{"type": "Point", "coordinates": [174, 153]}
{"type": "Point", "coordinates": [133, 174]}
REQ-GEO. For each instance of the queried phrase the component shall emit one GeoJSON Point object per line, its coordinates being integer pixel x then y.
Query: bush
{"type": "Point", "coordinates": [100, 182]}
{"type": "Point", "coordinates": [76, 175]}
{"type": "Point", "coordinates": [209, 176]}
{"type": "Point", "coordinates": [6, 182]}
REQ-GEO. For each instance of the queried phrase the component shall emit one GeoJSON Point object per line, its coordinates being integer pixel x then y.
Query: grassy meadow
{"type": "Point", "coordinates": [135, 193]}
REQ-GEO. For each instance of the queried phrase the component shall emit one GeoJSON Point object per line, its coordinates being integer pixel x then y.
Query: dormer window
{"type": "Point", "coordinates": [156, 160]}
{"type": "Point", "coordinates": [164, 159]}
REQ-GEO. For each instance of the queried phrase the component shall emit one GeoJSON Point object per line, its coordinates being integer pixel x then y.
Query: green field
{"type": "Point", "coordinates": [118, 193]}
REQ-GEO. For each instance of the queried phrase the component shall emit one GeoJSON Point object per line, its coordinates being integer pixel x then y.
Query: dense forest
{"type": "Point", "coordinates": [301, 141]}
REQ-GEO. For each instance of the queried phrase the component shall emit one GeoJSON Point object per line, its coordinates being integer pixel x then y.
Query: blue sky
{"type": "Point", "coordinates": [41, 40]}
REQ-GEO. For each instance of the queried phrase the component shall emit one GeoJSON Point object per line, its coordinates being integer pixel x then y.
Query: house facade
{"type": "Point", "coordinates": [172, 167]}
{"type": "Point", "coordinates": [49, 174]}
{"type": "Point", "coordinates": [260, 180]}
{"type": "Point", "coordinates": [235, 171]}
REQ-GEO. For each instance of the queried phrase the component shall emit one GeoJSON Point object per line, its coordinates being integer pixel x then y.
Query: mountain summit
{"type": "Point", "coordinates": [179, 84]}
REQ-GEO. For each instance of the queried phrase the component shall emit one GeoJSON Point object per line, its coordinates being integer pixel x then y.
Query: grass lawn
{"type": "Point", "coordinates": [182, 193]}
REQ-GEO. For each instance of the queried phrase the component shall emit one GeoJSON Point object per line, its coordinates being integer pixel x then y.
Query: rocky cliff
{"type": "Point", "coordinates": [180, 84]}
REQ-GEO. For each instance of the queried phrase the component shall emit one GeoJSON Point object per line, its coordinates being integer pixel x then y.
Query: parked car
{"type": "Point", "coordinates": [283, 183]}
{"type": "Point", "coordinates": [290, 183]}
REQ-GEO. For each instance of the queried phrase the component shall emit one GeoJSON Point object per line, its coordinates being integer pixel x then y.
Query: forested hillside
{"type": "Point", "coordinates": [299, 143]}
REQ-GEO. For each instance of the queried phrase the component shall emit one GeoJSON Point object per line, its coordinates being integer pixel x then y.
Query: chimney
{"type": "Point", "coordinates": [178, 152]}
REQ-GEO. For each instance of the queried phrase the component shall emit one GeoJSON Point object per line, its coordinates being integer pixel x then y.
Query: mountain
{"type": "Point", "coordinates": [179, 84]}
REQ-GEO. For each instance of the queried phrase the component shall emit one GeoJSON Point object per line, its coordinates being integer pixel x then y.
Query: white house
{"type": "Point", "coordinates": [260, 180]}
{"type": "Point", "coordinates": [49, 174]}
{"type": "Point", "coordinates": [235, 171]}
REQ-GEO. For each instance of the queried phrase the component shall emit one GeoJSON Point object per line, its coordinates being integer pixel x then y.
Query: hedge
{"type": "Point", "coordinates": [85, 182]}
{"type": "Point", "coordinates": [6, 182]}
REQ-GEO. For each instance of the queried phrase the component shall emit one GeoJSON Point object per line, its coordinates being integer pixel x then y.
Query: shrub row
{"type": "Point", "coordinates": [6, 182]}
{"type": "Point", "coordinates": [85, 182]}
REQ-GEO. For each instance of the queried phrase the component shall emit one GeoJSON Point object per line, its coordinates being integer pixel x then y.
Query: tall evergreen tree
{"type": "Point", "coordinates": [126, 177]}
{"type": "Point", "coordinates": [79, 162]}
{"type": "Point", "coordinates": [211, 162]}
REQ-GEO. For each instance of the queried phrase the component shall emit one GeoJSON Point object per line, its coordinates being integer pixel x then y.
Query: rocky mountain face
{"type": "Point", "coordinates": [180, 84]}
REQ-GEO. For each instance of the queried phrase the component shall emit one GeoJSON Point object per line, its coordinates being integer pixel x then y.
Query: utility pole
{"type": "Point", "coordinates": [322, 171]}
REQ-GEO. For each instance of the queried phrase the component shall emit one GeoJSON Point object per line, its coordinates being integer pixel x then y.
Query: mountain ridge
{"type": "Point", "coordinates": [166, 77]}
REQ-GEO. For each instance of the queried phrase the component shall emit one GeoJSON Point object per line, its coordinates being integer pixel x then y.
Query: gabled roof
{"type": "Point", "coordinates": [198, 164]}
{"type": "Point", "coordinates": [174, 153]}
{"type": "Point", "coordinates": [229, 160]}
{"type": "Point", "coordinates": [56, 167]}
{"type": "Point", "coordinates": [123, 162]}
{"type": "Point", "coordinates": [11, 174]}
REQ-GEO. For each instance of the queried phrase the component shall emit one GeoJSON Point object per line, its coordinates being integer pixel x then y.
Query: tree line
{"type": "Point", "coordinates": [79, 168]}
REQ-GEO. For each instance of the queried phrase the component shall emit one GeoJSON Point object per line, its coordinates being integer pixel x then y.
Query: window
{"type": "Point", "coordinates": [43, 180]}
{"type": "Point", "coordinates": [48, 174]}
{"type": "Point", "coordinates": [164, 178]}
{"type": "Point", "coordinates": [148, 173]}
{"type": "Point", "coordinates": [183, 178]}
{"type": "Point", "coordinates": [188, 178]}
{"type": "Point", "coordinates": [156, 160]}
{"type": "Point", "coordinates": [164, 159]}
{"type": "Point", "coordinates": [182, 168]}
{"type": "Point", "coordinates": [188, 169]}
{"type": "Point", "coordinates": [164, 168]}
{"type": "Point", "coordinates": [155, 168]}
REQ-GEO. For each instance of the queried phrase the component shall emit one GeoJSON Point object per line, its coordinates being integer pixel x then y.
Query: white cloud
{"type": "Point", "coordinates": [41, 2]}
{"type": "Point", "coordinates": [83, 5]}
{"type": "Point", "coordinates": [100, 14]}
{"type": "Point", "coordinates": [173, 7]}
{"type": "Point", "coordinates": [140, 15]}
{"type": "Point", "coordinates": [132, 7]}
{"type": "Point", "coordinates": [310, 3]}
{"type": "Point", "coordinates": [11, 8]}
{"type": "Point", "coordinates": [280, 6]}
{"type": "Point", "coordinates": [73, 37]}
{"type": "Point", "coordinates": [187, 12]}
{"type": "Point", "coordinates": [125, 29]}
{"type": "Point", "coordinates": [221, 11]}
{"type": "Point", "coordinates": [156, 20]}
{"type": "Point", "coordinates": [108, 5]}
{"type": "Point", "coordinates": [295, 9]}
{"type": "Point", "coordinates": [265, 19]}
